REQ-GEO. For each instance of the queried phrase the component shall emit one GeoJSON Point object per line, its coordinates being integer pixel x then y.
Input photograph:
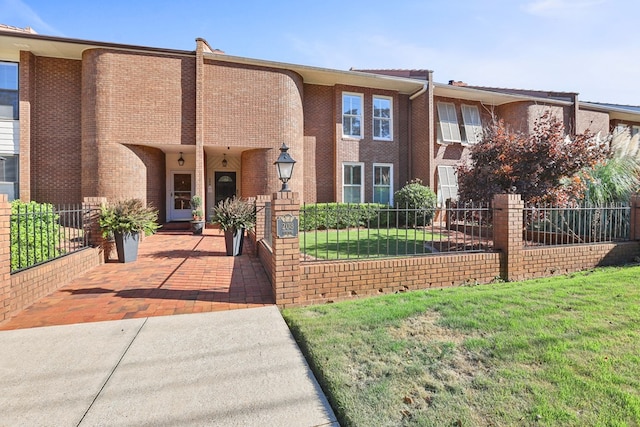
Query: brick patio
{"type": "Point", "coordinates": [176, 273]}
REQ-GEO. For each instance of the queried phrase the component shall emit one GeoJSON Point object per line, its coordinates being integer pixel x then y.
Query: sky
{"type": "Point", "coordinates": [591, 47]}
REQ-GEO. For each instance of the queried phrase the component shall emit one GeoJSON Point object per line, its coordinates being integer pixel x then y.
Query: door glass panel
{"type": "Point", "coordinates": [181, 191]}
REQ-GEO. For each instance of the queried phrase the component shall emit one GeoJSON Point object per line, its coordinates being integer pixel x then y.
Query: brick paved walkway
{"type": "Point", "coordinates": [175, 273]}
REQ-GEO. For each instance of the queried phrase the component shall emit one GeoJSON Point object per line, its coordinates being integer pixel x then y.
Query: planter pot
{"type": "Point", "coordinates": [233, 240]}
{"type": "Point", "coordinates": [197, 227]}
{"type": "Point", "coordinates": [127, 246]}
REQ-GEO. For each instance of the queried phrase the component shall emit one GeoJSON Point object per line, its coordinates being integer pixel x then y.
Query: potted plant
{"type": "Point", "coordinates": [234, 216]}
{"type": "Point", "coordinates": [125, 220]}
{"type": "Point", "coordinates": [197, 225]}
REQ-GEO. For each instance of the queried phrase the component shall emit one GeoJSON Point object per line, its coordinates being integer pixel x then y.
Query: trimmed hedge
{"type": "Point", "coordinates": [321, 216]}
{"type": "Point", "coordinates": [35, 233]}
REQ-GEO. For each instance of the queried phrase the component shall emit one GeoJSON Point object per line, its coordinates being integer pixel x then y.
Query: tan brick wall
{"type": "Point", "coordinates": [259, 108]}
{"type": "Point", "coordinates": [594, 121]}
{"type": "Point", "coordinates": [27, 70]}
{"type": "Point", "coordinates": [132, 99]}
{"type": "Point", "coordinates": [56, 161]}
{"type": "Point", "coordinates": [319, 116]}
{"type": "Point", "coordinates": [333, 281]}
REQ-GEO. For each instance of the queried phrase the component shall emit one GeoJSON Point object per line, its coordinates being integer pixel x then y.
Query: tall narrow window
{"type": "Point", "coordinates": [352, 115]}
{"type": "Point", "coordinates": [472, 124]}
{"type": "Point", "coordinates": [447, 184]}
{"type": "Point", "coordinates": [9, 90]}
{"type": "Point", "coordinates": [382, 125]}
{"type": "Point", "coordinates": [352, 188]}
{"type": "Point", "coordinates": [383, 184]}
{"type": "Point", "coordinates": [449, 129]}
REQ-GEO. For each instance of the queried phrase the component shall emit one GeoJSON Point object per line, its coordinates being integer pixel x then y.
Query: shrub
{"type": "Point", "coordinates": [34, 233]}
{"type": "Point", "coordinates": [128, 216]}
{"type": "Point", "coordinates": [234, 214]}
{"type": "Point", "coordinates": [322, 216]}
{"type": "Point", "coordinates": [418, 202]}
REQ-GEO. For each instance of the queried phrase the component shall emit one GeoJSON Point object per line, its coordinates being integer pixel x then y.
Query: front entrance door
{"type": "Point", "coordinates": [225, 185]}
{"type": "Point", "coordinates": [181, 192]}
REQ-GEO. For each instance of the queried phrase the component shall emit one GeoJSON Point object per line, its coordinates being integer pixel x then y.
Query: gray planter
{"type": "Point", "coordinates": [127, 246]}
{"type": "Point", "coordinates": [233, 240]}
{"type": "Point", "coordinates": [197, 227]}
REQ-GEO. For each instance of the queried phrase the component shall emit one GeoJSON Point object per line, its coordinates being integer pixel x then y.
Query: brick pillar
{"type": "Point", "coordinates": [507, 234]}
{"type": "Point", "coordinates": [285, 261]}
{"type": "Point", "coordinates": [91, 207]}
{"type": "Point", "coordinates": [5, 257]}
{"type": "Point", "coordinates": [635, 217]}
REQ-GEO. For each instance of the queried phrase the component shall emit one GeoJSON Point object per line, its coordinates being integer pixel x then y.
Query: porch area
{"type": "Point", "coordinates": [176, 273]}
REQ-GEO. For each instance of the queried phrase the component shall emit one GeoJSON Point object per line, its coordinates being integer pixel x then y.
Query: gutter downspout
{"type": "Point", "coordinates": [410, 148]}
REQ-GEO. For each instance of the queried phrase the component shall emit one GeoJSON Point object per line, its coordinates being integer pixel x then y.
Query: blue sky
{"type": "Point", "coordinates": [586, 46]}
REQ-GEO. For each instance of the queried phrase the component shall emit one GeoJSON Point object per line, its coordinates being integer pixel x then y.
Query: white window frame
{"type": "Point", "coordinates": [635, 129]}
{"type": "Point", "coordinates": [387, 119]}
{"type": "Point", "coordinates": [362, 179]}
{"type": "Point", "coordinates": [472, 123]}
{"type": "Point", "coordinates": [448, 123]}
{"type": "Point", "coordinates": [353, 116]}
{"type": "Point", "coordinates": [446, 188]}
{"type": "Point", "coordinates": [373, 193]}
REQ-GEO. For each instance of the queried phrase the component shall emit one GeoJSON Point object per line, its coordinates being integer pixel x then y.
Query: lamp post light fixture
{"type": "Point", "coordinates": [285, 167]}
{"type": "Point", "coordinates": [181, 160]}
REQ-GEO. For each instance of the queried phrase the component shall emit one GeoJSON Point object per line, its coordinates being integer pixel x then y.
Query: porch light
{"type": "Point", "coordinates": [285, 167]}
{"type": "Point", "coordinates": [224, 161]}
{"type": "Point", "coordinates": [181, 160]}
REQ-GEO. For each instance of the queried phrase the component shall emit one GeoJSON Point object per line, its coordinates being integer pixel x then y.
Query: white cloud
{"type": "Point", "coordinates": [18, 13]}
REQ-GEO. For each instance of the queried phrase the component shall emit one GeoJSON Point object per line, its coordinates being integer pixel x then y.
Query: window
{"type": "Point", "coordinates": [383, 183]}
{"type": "Point", "coordinates": [472, 124]}
{"type": "Point", "coordinates": [449, 129]}
{"type": "Point", "coordinates": [447, 184]}
{"type": "Point", "coordinates": [352, 188]}
{"type": "Point", "coordinates": [382, 128]}
{"type": "Point", "coordinates": [635, 130]}
{"type": "Point", "coordinates": [352, 115]}
{"type": "Point", "coordinates": [8, 90]}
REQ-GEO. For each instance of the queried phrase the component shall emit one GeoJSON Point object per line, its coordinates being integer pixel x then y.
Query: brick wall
{"type": "Point", "coordinates": [296, 282]}
{"type": "Point", "coordinates": [19, 290]}
{"type": "Point", "coordinates": [319, 115]}
{"type": "Point", "coordinates": [56, 160]}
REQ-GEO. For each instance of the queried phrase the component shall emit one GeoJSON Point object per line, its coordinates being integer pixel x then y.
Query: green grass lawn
{"type": "Point", "coordinates": [561, 351]}
{"type": "Point", "coordinates": [367, 242]}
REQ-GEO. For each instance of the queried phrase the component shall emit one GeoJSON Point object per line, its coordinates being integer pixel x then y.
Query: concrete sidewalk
{"type": "Point", "coordinates": [234, 368]}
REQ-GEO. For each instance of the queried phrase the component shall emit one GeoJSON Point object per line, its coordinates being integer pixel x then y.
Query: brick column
{"type": "Point", "coordinates": [285, 261]}
{"type": "Point", "coordinates": [507, 234]}
{"type": "Point", "coordinates": [635, 217]}
{"type": "Point", "coordinates": [5, 257]}
{"type": "Point", "coordinates": [91, 207]}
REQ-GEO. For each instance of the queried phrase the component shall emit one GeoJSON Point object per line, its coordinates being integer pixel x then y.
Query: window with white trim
{"type": "Point", "coordinates": [383, 183]}
{"type": "Point", "coordinates": [449, 131]}
{"type": "Point", "coordinates": [352, 115]}
{"type": "Point", "coordinates": [635, 130]}
{"type": "Point", "coordinates": [472, 124]}
{"type": "Point", "coordinates": [382, 113]}
{"type": "Point", "coordinates": [9, 90]}
{"type": "Point", "coordinates": [447, 184]}
{"type": "Point", "coordinates": [352, 185]}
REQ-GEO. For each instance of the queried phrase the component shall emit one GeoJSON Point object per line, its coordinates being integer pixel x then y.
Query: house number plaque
{"type": "Point", "coordinates": [287, 226]}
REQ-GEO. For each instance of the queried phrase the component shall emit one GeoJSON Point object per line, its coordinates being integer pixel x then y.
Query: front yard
{"type": "Point", "coordinates": [555, 351]}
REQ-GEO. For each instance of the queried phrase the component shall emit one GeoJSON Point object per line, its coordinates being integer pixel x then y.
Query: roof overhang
{"type": "Point", "coordinates": [615, 113]}
{"type": "Point", "coordinates": [329, 77]}
{"type": "Point", "coordinates": [489, 97]}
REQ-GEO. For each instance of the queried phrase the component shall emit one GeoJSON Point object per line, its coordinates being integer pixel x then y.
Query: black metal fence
{"type": "Point", "coordinates": [359, 231]}
{"type": "Point", "coordinates": [576, 224]}
{"type": "Point", "coordinates": [42, 232]}
{"type": "Point", "coordinates": [267, 223]}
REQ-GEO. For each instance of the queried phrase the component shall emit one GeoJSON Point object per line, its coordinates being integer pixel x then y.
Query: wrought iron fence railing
{"type": "Point", "coordinates": [361, 231]}
{"type": "Point", "coordinates": [42, 232]}
{"type": "Point", "coordinates": [548, 225]}
{"type": "Point", "coordinates": [267, 223]}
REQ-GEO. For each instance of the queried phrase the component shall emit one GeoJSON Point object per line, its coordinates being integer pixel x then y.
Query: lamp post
{"type": "Point", "coordinates": [285, 167]}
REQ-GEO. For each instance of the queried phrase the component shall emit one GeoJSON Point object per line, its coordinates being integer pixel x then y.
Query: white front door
{"type": "Point", "coordinates": [180, 196]}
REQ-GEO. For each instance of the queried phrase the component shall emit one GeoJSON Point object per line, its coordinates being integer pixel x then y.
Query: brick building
{"type": "Point", "coordinates": [81, 118]}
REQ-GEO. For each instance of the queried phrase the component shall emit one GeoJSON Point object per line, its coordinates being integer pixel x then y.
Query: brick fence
{"type": "Point", "coordinates": [298, 283]}
{"type": "Point", "coordinates": [19, 290]}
